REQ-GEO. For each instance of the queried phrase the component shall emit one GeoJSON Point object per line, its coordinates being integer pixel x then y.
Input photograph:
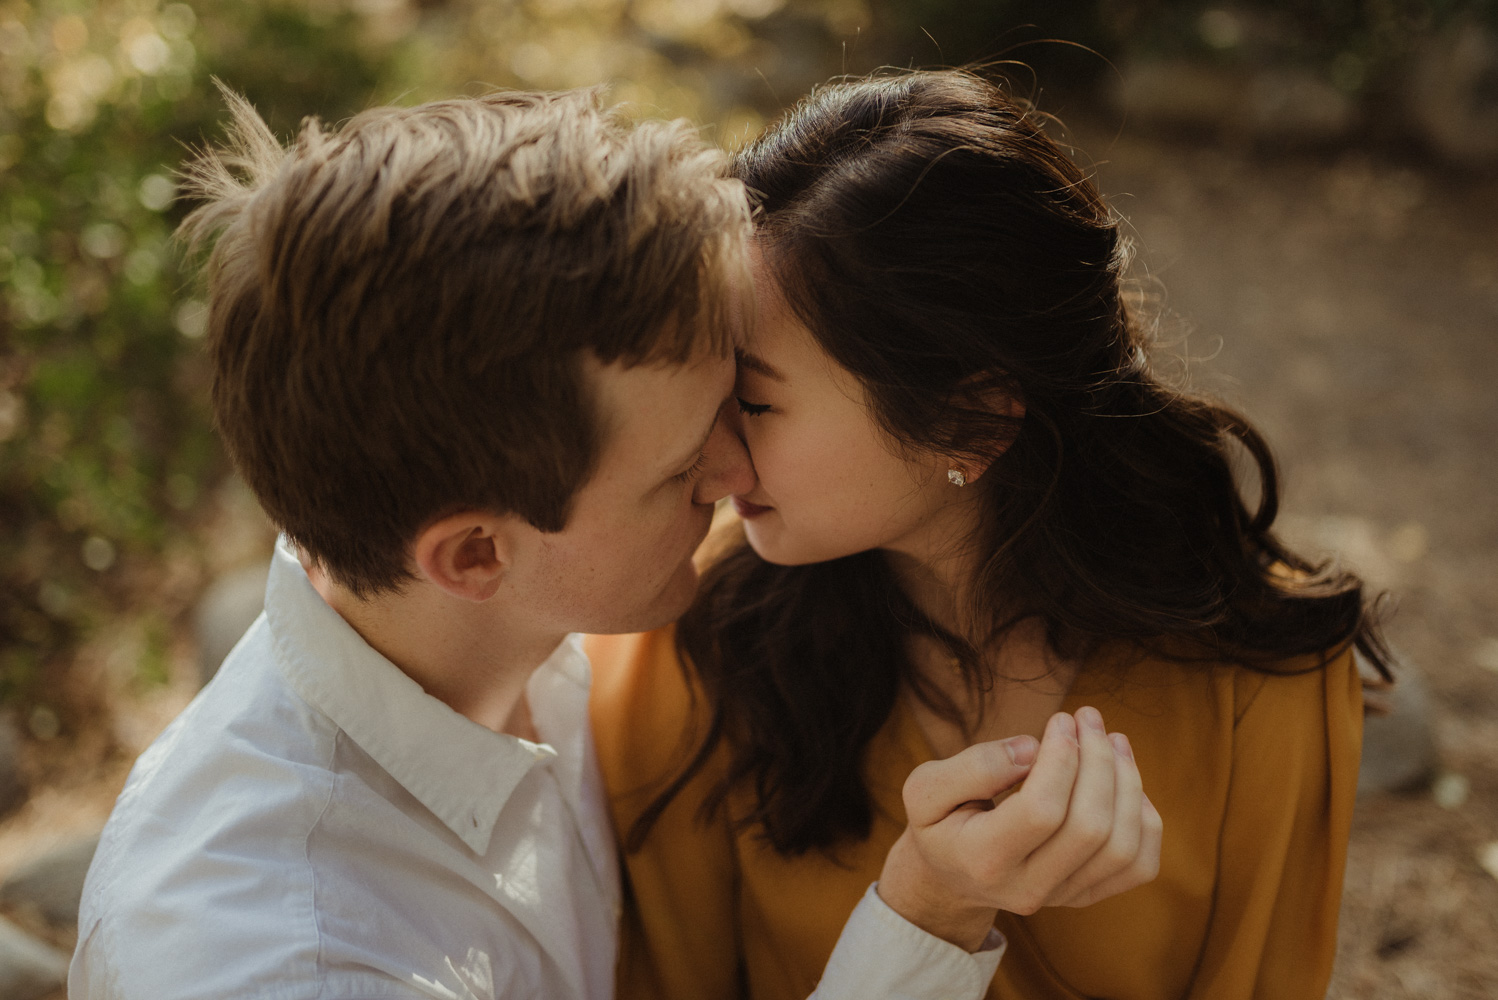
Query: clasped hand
{"type": "Point", "coordinates": [1079, 829]}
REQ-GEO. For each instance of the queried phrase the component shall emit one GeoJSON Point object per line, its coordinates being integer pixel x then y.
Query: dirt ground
{"type": "Point", "coordinates": [1348, 304]}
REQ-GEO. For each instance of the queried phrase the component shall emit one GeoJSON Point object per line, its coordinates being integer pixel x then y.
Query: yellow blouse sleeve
{"type": "Point", "coordinates": [678, 932]}
{"type": "Point", "coordinates": [1283, 845]}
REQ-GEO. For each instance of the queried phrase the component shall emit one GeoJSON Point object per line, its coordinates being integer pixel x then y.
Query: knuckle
{"type": "Point", "coordinates": [1113, 859]}
{"type": "Point", "coordinates": [918, 783]}
{"type": "Point", "coordinates": [1152, 821]}
{"type": "Point", "coordinates": [1043, 817]}
{"type": "Point", "coordinates": [920, 775]}
{"type": "Point", "coordinates": [1093, 829]}
{"type": "Point", "coordinates": [1127, 841]}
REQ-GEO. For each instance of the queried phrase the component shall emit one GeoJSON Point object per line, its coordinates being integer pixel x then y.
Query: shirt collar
{"type": "Point", "coordinates": [461, 771]}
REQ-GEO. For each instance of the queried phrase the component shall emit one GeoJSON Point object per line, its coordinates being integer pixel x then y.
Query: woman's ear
{"type": "Point", "coordinates": [466, 554]}
{"type": "Point", "coordinates": [963, 470]}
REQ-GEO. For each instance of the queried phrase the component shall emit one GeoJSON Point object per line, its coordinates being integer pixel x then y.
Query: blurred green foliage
{"type": "Point", "coordinates": [106, 448]}
{"type": "Point", "coordinates": [107, 458]}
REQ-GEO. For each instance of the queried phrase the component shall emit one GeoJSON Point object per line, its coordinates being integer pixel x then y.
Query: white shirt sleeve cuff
{"type": "Point", "coordinates": [881, 954]}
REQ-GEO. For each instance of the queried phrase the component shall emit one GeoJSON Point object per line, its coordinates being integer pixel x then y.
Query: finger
{"type": "Point", "coordinates": [1089, 815]}
{"type": "Point", "coordinates": [978, 773]}
{"type": "Point", "coordinates": [1125, 838]}
{"type": "Point", "coordinates": [1145, 868]}
{"type": "Point", "coordinates": [1034, 813]}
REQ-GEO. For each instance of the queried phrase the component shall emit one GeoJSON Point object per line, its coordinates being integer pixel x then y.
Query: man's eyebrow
{"type": "Point", "coordinates": [758, 365]}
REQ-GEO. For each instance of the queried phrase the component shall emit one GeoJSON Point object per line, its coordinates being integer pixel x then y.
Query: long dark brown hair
{"type": "Point", "coordinates": [943, 249]}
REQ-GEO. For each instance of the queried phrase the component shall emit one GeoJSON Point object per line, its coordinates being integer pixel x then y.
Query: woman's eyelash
{"type": "Point", "coordinates": [690, 474]}
{"type": "Point", "coordinates": [752, 409]}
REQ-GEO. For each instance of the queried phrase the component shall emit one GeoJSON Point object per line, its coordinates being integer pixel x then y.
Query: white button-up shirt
{"type": "Point", "coordinates": [314, 825]}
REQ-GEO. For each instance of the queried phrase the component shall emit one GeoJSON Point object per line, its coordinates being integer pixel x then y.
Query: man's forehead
{"type": "Point", "coordinates": [660, 398]}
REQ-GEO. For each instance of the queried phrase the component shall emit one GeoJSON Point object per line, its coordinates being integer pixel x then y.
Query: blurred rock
{"type": "Point", "coordinates": [1399, 748]}
{"type": "Point", "coordinates": [52, 884]}
{"type": "Point", "coordinates": [228, 607]}
{"type": "Point", "coordinates": [1454, 96]}
{"type": "Point", "coordinates": [12, 787]}
{"type": "Point", "coordinates": [1450, 790]}
{"type": "Point", "coordinates": [29, 968]}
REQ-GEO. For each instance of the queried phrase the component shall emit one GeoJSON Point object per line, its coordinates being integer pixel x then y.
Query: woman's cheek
{"type": "Point", "coordinates": [810, 469]}
{"type": "Point", "coordinates": [761, 455]}
{"type": "Point", "coordinates": [773, 452]}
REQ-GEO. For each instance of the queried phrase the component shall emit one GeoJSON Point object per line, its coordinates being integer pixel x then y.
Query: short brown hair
{"type": "Point", "coordinates": [397, 308]}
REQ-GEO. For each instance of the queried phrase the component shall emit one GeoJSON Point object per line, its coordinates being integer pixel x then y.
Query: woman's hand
{"type": "Point", "coordinates": [1078, 830]}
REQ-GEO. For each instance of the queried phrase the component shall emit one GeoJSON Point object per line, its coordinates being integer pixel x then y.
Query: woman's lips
{"type": "Point", "coordinates": [747, 510]}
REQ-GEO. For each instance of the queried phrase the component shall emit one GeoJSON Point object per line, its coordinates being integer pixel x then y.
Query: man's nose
{"type": "Point", "coordinates": [729, 469]}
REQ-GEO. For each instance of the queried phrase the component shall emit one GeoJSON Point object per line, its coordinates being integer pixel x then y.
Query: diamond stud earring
{"type": "Point", "coordinates": [957, 477]}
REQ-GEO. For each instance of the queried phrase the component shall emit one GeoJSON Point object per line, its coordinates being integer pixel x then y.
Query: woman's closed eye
{"type": "Point", "coordinates": [749, 409]}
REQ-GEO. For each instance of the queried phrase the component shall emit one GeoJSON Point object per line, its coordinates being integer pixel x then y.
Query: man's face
{"type": "Point", "coordinates": [623, 563]}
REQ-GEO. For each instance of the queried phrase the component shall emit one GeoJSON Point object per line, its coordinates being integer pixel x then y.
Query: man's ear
{"type": "Point", "coordinates": [466, 554]}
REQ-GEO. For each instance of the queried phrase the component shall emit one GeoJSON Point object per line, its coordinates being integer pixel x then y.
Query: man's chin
{"type": "Point", "coordinates": [678, 595]}
{"type": "Point", "coordinates": [670, 604]}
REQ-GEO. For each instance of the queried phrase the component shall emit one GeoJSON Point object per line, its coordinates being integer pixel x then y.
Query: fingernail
{"type": "Point", "coordinates": [1062, 724]}
{"type": "Point", "coordinates": [1090, 717]}
{"type": "Point", "coordinates": [1121, 745]}
{"type": "Point", "coordinates": [1021, 750]}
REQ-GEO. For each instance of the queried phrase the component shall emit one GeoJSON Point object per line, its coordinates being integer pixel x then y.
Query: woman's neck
{"type": "Point", "coordinates": [934, 588]}
{"type": "Point", "coordinates": [936, 566]}
{"type": "Point", "coordinates": [1025, 681]}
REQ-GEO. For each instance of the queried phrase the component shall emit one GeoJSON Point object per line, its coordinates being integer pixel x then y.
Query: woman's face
{"type": "Point", "coordinates": [831, 483]}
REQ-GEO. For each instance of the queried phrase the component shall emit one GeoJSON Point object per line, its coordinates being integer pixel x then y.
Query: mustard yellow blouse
{"type": "Point", "coordinates": [1254, 775]}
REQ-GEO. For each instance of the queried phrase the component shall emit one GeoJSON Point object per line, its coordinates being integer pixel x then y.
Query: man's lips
{"type": "Point", "coordinates": [748, 510]}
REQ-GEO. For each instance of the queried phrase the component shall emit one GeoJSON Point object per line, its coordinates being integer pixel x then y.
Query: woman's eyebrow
{"type": "Point", "coordinates": [754, 363]}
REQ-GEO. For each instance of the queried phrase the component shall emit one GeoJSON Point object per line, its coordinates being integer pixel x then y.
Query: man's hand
{"type": "Point", "coordinates": [1078, 830]}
